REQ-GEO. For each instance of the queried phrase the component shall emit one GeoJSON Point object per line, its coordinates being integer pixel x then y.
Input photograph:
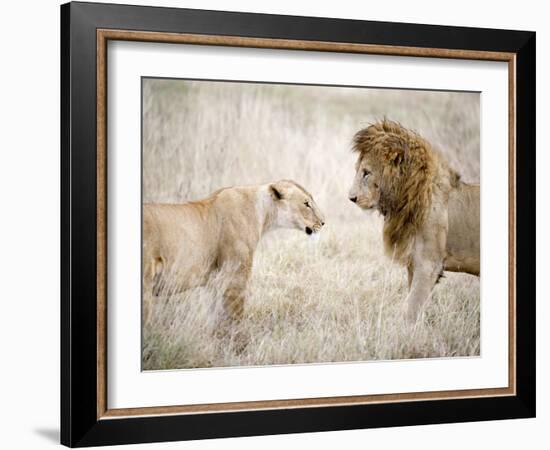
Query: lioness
{"type": "Point", "coordinates": [431, 218]}
{"type": "Point", "coordinates": [190, 241]}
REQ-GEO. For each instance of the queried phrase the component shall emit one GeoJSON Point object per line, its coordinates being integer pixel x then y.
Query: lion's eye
{"type": "Point", "coordinates": [366, 173]}
{"type": "Point", "coordinates": [307, 204]}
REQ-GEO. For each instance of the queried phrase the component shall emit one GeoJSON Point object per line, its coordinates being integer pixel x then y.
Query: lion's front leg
{"type": "Point", "coordinates": [424, 277]}
{"type": "Point", "coordinates": [410, 273]}
{"type": "Point", "coordinates": [424, 269]}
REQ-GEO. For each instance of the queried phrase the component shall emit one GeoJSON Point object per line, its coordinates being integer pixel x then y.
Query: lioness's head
{"type": "Point", "coordinates": [295, 207]}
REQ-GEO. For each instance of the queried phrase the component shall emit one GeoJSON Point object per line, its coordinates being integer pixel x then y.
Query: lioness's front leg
{"type": "Point", "coordinates": [235, 295]}
{"type": "Point", "coordinates": [236, 264]}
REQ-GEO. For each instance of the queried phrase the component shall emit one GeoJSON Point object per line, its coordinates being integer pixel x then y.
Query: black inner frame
{"type": "Point", "coordinates": [79, 423]}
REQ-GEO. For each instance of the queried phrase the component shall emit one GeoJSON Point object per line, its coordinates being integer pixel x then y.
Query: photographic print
{"type": "Point", "coordinates": [296, 224]}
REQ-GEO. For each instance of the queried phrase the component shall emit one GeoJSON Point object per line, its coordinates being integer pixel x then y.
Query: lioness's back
{"type": "Point", "coordinates": [171, 220]}
{"type": "Point", "coordinates": [179, 236]}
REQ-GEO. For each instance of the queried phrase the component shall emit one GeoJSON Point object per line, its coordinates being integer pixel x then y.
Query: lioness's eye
{"type": "Point", "coordinates": [307, 204]}
{"type": "Point", "coordinates": [366, 173]}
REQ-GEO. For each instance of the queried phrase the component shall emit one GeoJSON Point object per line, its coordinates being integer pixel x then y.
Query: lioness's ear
{"type": "Point", "coordinates": [275, 192]}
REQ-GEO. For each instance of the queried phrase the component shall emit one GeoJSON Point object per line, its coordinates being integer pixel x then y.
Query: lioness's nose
{"type": "Point", "coordinates": [353, 199]}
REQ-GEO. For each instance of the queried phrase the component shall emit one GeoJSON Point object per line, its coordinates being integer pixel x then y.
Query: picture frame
{"type": "Point", "coordinates": [86, 418]}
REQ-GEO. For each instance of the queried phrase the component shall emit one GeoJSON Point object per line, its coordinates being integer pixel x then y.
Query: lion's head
{"type": "Point", "coordinates": [395, 173]}
{"type": "Point", "coordinates": [295, 207]}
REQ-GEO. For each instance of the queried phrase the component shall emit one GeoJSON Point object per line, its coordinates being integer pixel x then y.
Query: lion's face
{"type": "Point", "coordinates": [295, 208]}
{"type": "Point", "coordinates": [365, 191]}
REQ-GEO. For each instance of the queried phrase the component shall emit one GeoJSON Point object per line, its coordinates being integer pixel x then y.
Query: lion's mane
{"type": "Point", "coordinates": [409, 171]}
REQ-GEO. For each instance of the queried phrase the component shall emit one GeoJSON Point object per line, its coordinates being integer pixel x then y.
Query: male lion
{"type": "Point", "coordinates": [431, 218]}
{"type": "Point", "coordinates": [183, 244]}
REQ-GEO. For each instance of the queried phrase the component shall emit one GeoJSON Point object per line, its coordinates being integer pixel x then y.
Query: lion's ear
{"type": "Point", "coordinates": [276, 192]}
{"type": "Point", "coordinates": [398, 152]}
{"type": "Point", "coordinates": [395, 157]}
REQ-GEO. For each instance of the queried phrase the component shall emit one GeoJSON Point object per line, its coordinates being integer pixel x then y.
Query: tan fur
{"type": "Point", "coordinates": [184, 244]}
{"type": "Point", "coordinates": [431, 218]}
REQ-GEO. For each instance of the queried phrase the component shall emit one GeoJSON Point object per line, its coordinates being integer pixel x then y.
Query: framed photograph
{"type": "Point", "coordinates": [277, 224]}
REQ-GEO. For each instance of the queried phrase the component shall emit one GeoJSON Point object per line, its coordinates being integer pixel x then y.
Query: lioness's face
{"type": "Point", "coordinates": [365, 191]}
{"type": "Point", "coordinates": [296, 208]}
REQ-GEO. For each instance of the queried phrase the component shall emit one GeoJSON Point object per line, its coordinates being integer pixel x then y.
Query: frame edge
{"type": "Point", "coordinates": [80, 430]}
{"type": "Point", "coordinates": [65, 125]}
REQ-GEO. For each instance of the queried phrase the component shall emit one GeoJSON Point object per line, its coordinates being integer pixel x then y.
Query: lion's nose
{"type": "Point", "coordinates": [353, 199]}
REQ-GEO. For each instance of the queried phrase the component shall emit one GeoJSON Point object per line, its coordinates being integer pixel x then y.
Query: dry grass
{"type": "Point", "coordinates": [339, 300]}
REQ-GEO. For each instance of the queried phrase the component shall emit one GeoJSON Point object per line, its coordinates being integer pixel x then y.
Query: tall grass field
{"type": "Point", "coordinates": [339, 299]}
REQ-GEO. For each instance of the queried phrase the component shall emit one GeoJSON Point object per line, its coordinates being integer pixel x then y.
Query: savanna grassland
{"type": "Point", "coordinates": [340, 299]}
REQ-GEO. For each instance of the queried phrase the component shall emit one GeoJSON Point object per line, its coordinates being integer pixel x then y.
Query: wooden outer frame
{"type": "Point", "coordinates": [103, 36]}
{"type": "Point", "coordinates": [81, 425]}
